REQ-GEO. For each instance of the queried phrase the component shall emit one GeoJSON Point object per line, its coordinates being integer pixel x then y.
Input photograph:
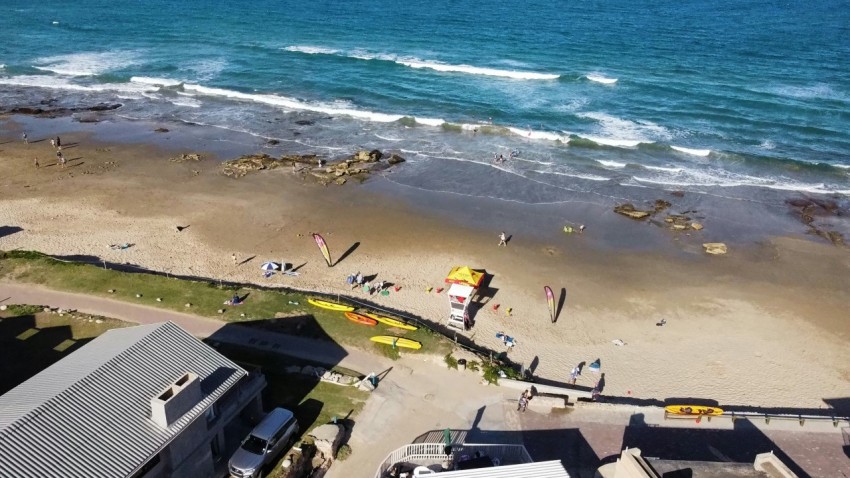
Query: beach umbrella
{"type": "Point", "coordinates": [270, 266]}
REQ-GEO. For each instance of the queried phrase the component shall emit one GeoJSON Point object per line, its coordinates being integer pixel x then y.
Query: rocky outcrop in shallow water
{"type": "Point", "coordinates": [811, 212]}
{"type": "Point", "coordinates": [312, 167]}
{"type": "Point", "coordinates": [46, 111]}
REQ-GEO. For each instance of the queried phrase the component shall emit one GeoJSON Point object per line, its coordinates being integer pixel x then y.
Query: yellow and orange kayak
{"type": "Point", "coordinates": [330, 305]}
{"type": "Point", "coordinates": [360, 319]}
{"type": "Point", "coordinates": [391, 322]}
{"type": "Point", "coordinates": [397, 341]}
{"type": "Point", "coordinates": [693, 410]}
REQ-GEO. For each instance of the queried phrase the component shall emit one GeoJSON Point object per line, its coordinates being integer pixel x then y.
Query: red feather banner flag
{"type": "Point", "coordinates": [323, 247]}
{"type": "Point", "coordinates": [550, 297]}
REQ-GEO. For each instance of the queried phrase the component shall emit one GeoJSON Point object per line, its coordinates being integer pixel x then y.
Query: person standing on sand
{"type": "Point", "coordinates": [233, 256]}
{"type": "Point", "coordinates": [26, 140]}
{"type": "Point", "coordinates": [52, 142]}
{"type": "Point", "coordinates": [58, 142]}
{"type": "Point", "coordinates": [502, 239]}
{"type": "Point", "coordinates": [574, 375]}
{"type": "Point", "coordinates": [35, 162]}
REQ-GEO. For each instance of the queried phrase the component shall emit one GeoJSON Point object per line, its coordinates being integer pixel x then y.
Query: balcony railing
{"type": "Point", "coordinates": [427, 454]}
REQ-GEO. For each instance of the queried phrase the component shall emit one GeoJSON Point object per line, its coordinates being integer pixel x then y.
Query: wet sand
{"type": "Point", "coordinates": [765, 325]}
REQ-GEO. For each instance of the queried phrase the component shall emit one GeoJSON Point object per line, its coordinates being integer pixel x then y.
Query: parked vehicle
{"type": "Point", "coordinates": [265, 442]}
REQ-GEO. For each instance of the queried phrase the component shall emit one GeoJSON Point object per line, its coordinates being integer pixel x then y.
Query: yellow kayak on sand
{"type": "Point", "coordinates": [391, 322]}
{"type": "Point", "coordinates": [693, 410]}
{"type": "Point", "coordinates": [330, 305]}
{"type": "Point", "coordinates": [398, 341]}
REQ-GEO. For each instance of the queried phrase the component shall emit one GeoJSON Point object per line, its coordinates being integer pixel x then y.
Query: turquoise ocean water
{"type": "Point", "coordinates": [608, 99]}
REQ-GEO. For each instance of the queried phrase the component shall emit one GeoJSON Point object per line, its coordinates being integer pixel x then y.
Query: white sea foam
{"type": "Point", "coordinates": [545, 135]}
{"type": "Point", "coordinates": [695, 152]}
{"type": "Point", "coordinates": [429, 121]}
{"type": "Point", "coordinates": [611, 164]}
{"type": "Point", "coordinates": [618, 128]}
{"type": "Point", "coordinates": [665, 169]}
{"type": "Point", "coordinates": [590, 177]}
{"type": "Point", "coordinates": [47, 81]}
{"type": "Point", "coordinates": [386, 139]}
{"type": "Point", "coordinates": [206, 70]}
{"type": "Point", "coordinates": [185, 101]}
{"type": "Point", "coordinates": [312, 50]}
{"type": "Point", "coordinates": [294, 104]}
{"type": "Point", "coordinates": [86, 64]}
{"type": "Point", "coordinates": [476, 70]}
{"type": "Point", "coordinates": [617, 143]}
{"type": "Point", "coordinates": [726, 179]}
{"type": "Point", "coordinates": [813, 91]}
{"type": "Point", "coordinates": [417, 63]}
{"type": "Point", "coordinates": [767, 144]}
{"type": "Point", "coordinates": [146, 80]}
{"type": "Point", "coordinates": [842, 166]}
{"type": "Point", "coordinates": [2, 66]}
{"type": "Point", "coordinates": [601, 79]}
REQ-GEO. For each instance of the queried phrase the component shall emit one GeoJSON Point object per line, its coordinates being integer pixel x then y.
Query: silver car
{"type": "Point", "coordinates": [263, 444]}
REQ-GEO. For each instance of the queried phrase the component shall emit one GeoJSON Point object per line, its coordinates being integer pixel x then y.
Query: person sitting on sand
{"type": "Point", "coordinates": [379, 287]}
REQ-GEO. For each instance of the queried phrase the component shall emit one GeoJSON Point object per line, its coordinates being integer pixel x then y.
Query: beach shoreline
{"type": "Point", "coordinates": [743, 329]}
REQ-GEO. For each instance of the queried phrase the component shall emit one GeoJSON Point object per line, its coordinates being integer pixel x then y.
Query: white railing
{"type": "Point", "coordinates": [433, 453]}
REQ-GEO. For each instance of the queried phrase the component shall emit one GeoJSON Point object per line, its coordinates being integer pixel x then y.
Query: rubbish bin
{"type": "Point", "coordinates": [461, 364]}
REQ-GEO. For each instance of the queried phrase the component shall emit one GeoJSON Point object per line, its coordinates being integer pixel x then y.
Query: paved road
{"type": "Point", "coordinates": [324, 352]}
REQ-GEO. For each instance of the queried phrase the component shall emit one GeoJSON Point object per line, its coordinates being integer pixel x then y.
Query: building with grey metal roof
{"type": "Point", "coordinates": [144, 401]}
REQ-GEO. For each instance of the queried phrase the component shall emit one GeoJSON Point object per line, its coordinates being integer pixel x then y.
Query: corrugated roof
{"type": "Point", "coordinates": [88, 415]}
{"type": "Point", "coordinates": [542, 469]}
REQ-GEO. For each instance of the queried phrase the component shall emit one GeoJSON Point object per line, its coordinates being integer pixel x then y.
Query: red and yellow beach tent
{"type": "Point", "coordinates": [465, 275]}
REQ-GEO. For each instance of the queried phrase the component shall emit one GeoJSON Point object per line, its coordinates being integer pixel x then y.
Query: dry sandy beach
{"type": "Point", "coordinates": [765, 325]}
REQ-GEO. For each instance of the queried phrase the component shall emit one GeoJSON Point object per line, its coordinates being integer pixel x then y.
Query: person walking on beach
{"type": "Point", "coordinates": [233, 256]}
{"type": "Point", "coordinates": [26, 140]}
{"type": "Point", "coordinates": [58, 142]}
{"type": "Point", "coordinates": [574, 374]}
{"type": "Point", "coordinates": [502, 239]}
{"type": "Point", "coordinates": [523, 402]}
{"type": "Point", "coordinates": [60, 159]}
{"type": "Point", "coordinates": [35, 162]}
{"type": "Point", "coordinates": [52, 142]}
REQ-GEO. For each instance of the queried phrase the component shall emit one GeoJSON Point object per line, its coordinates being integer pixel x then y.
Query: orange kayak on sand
{"type": "Point", "coordinates": [360, 319]}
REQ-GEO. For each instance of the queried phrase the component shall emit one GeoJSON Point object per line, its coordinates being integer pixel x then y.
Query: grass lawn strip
{"type": "Point", "coordinates": [290, 310]}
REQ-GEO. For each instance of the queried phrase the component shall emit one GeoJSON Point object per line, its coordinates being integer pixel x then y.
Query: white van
{"type": "Point", "coordinates": [263, 444]}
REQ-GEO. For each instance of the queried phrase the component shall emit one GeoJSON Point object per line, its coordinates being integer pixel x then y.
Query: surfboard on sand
{"type": "Point", "coordinates": [398, 341]}
{"type": "Point", "coordinates": [330, 305]}
{"type": "Point", "coordinates": [360, 319]}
